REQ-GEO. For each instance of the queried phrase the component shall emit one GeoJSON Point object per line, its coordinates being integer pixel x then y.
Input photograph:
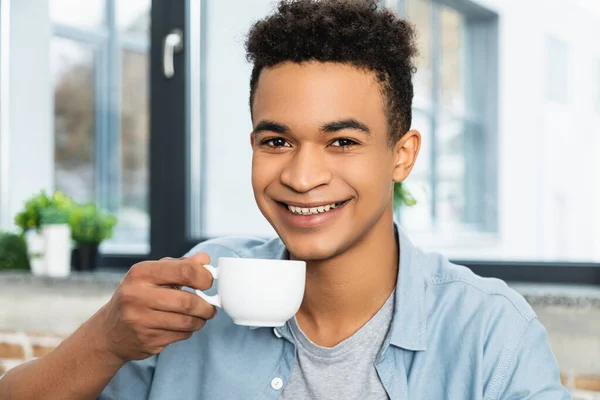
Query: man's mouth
{"type": "Point", "coordinates": [313, 210]}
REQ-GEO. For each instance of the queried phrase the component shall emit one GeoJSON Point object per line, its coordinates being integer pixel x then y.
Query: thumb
{"type": "Point", "coordinates": [200, 258]}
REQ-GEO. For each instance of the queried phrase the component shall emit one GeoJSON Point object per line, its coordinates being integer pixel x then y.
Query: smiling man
{"type": "Point", "coordinates": [330, 98]}
{"type": "Point", "coordinates": [324, 163]}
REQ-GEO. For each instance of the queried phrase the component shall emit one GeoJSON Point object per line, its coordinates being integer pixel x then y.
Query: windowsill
{"type": "Point", "coordinates": [110, 247]}
{"type": "Point", "coordinates": [103, 282]}
{"type": "Point", "coordinates": [77, 282]}
{"type": "Point", "coordinates": [53, 305]}
{"type": "Point", "coordinates": [460, 245]}
{"type": "Point", "coordinates": [559, 295]}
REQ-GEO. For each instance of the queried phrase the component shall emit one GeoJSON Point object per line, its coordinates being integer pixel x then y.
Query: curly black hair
{"type": "Point", "coordinates": [356, 32]}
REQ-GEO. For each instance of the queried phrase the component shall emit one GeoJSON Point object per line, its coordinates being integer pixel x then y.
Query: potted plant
{"type": "Point", "coordinates": [30, 222]}
{"type": "Point", "coordinates": [89, 227]}
{"type": "Point", "coordinates": [13, 252]}
{"type": "Point", "coordinates": [57, 240]}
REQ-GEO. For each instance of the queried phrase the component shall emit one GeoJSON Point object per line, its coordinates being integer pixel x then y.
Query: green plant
{"type": "Point", "coordinates": [54, 215]}
{"type": "Point", "coordinates": [402, 196]}
{"type": "Point", "coordinates": [31, 215]}
{"type": "Point", "coordinates": [89, 225]}
{"type": "Point", "coordinates": [13, 252]}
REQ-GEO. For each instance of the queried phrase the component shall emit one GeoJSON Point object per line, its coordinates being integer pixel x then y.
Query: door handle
{"type": "Point", "coordinates": [173, 43]}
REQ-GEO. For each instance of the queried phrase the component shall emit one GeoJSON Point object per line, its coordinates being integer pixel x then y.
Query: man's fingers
{"type": "Point", "coordinates": [200, 258]}
{"type": "Point", "coordinates": [174, 322]}
{"type": "Point", "coordinates": [178, 301]}
{"type": "Point", "coordinates": [185, 272]}
{"type": "Point", "coordinates": [162, 337]}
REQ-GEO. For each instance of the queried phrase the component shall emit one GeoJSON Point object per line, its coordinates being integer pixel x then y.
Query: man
{"type": "Point", "coordinates": [330, 99]}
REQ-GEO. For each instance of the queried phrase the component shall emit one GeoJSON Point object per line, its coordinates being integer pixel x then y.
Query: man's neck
{"type": "Point", "coordinates": [345, 292]}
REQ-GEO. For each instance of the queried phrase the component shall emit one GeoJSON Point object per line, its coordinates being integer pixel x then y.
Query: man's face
{"type": "Point", "coordinates": [322, 166]}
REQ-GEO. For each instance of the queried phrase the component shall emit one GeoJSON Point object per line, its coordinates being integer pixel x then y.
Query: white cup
{"type": "Point", "coordinates": [257, 292]}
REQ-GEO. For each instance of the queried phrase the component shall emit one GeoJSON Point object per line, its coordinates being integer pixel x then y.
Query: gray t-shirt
{"type": "Point", "coordinates": [345, 371]}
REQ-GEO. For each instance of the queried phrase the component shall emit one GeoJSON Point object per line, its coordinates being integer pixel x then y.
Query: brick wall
{"type": "Point", "coordinates": [583, 387]}
{"type": "Point", "coordinates": [18, 347]}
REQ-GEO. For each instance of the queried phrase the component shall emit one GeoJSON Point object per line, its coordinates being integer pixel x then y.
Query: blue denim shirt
{"type": "Point", "coordinates": [454, 335]}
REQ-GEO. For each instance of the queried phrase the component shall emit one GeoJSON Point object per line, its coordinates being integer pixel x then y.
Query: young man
{"type": "Point", "coordinates": [330, 97]}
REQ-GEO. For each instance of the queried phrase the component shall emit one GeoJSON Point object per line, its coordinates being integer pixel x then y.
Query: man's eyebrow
{"type": "Point", "coordinates": [270, 126]}
{"type": "Point", "coordinates": [349, 123]}
{"type": "Point", "coordinates": [330, 127]}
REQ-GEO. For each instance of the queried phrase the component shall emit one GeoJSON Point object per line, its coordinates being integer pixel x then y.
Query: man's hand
{"type": "Point", "coordinates": [147, 311]}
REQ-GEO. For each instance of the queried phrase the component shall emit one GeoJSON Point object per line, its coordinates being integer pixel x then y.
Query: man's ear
{"type": "Point", "coordinates": [406, 151]}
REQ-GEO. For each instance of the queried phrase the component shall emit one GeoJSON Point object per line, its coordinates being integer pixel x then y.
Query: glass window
{"type": "Point", "coordinates": [419, 13]}
{"type": "Point", "coordinates": [451, 171]}
{"type": "Point", "coordinates": [446, 180]}
{"type": "Point", "coordinates": [74, 118]}
{"type": "Point", "coordinates": [102, 111]}
{"type": "Point", "coordinates": [135, 222]}
{"type": "Point", "coordinates": [88, 14]}
{"type": "Point", "coordinates": [133, 16]}
{"type": "Point", "coordinates": [452, 68]}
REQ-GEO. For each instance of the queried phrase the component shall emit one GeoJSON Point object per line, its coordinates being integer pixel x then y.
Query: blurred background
{"type": "Point", "coordinates": [507, 98]}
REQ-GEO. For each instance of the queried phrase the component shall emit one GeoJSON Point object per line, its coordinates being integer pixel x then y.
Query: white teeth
{"type": "Point", "coordinates": [312, 210]}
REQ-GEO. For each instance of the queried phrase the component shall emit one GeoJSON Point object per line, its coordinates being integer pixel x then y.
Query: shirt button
{"type": "Point", "coordinates": [276, 332]}
{"type": "Point", "coordinates": [277, 383]}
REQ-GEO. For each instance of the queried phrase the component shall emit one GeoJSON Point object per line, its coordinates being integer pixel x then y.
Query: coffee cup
{"type": "Point", "coordinates": [257, 292]}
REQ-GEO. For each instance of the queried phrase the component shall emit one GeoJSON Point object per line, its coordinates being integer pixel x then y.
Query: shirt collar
{"type": "Point", "coordinates": [408, 329]}
{"type": "Point", "coordinates": [409, 323]}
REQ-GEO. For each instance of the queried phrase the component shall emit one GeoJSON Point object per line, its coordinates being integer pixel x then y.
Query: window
{"type": "Point", "coordinates": [451, 174]}
{"type": "Point", "coordinates": [99, 58]}
{"type": "Point", "coordinates": [487, 182]}
{"type": "Point", "coordinates": [74, 120]}
{"type": "Point", "coordinates": [556, 77]}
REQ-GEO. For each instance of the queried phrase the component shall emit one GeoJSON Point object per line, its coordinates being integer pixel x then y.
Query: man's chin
{"type": "Point", "coordinates": [318, 251]}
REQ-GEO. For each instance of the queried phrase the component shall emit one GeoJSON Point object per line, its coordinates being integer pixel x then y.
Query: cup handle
{"type": "Point", "coordinates": [213, 300]}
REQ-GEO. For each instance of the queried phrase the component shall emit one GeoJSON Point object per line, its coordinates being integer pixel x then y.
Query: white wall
{"type": "Point", "coordinates": [30, 139]}
{"type": "Point", "coordinates": [547, 149]}
{"type": "Point", "coordinates": [229, 202]}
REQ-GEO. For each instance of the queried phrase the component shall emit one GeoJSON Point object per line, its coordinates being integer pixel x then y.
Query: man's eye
{"type": "Point", "coordinates": [275, 142]}
{"type": "Point", "coordinates": [343, 142]}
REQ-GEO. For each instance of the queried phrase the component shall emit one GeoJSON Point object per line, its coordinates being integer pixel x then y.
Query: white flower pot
{"type": "Point", "coordinates": [58, 250]}
{"type": "Point", "coordinates": [35, 250]}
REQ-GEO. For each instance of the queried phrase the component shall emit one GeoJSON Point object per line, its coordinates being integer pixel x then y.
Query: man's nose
{"type": "Point", "coordinates": [306, 170]}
